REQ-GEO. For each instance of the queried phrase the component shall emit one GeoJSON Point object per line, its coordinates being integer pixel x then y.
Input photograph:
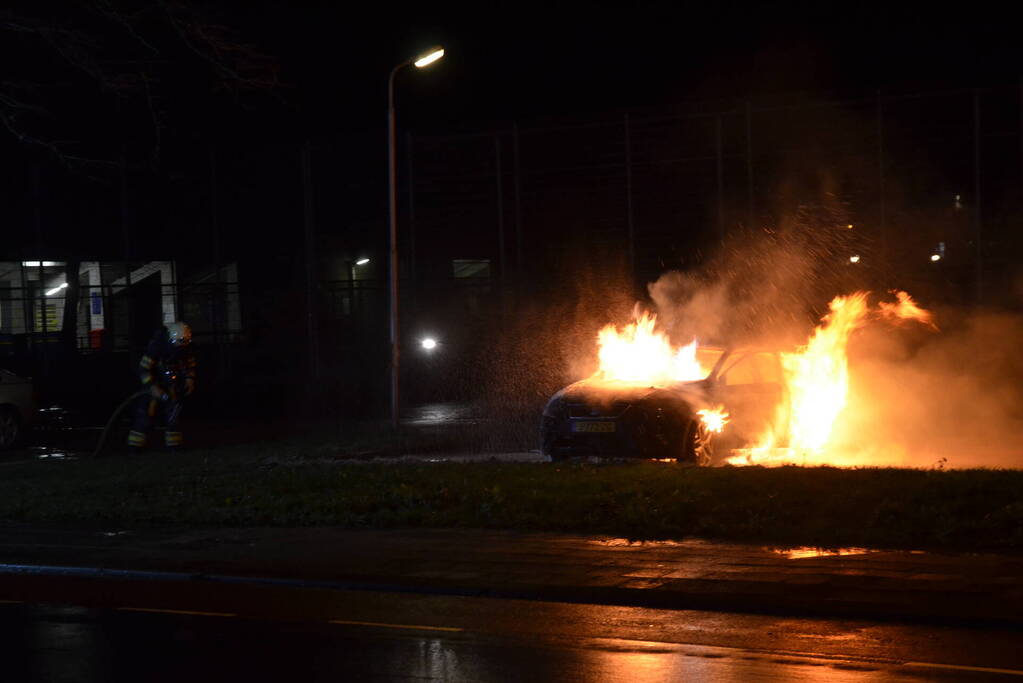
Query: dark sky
{"type": "Point", "coordinates": [514, 61]}
{"type": "Point", "coordinates": [510, 60]}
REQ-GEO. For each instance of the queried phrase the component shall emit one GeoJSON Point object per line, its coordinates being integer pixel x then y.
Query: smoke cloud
{"type": "Point", "coordinates": [919, 396]}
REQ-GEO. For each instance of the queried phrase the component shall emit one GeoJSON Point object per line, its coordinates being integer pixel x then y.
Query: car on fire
{"type": "Point", "coordinates": [614, 419]}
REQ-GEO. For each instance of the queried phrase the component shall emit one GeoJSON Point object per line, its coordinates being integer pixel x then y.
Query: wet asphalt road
{"type": "Point", "coordinates": [109, 630]}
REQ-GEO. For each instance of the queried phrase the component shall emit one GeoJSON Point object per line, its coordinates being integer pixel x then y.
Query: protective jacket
{"type": "Point", "coordinates": [171, 367]}
{"type": "Point", "coordinates": [168, 366]}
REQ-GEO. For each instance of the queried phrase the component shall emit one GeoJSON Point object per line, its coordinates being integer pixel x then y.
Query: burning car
{"type": "Point", "coordinates": [723, 399]}
{"type": "Point", "coordinates": [744, 406]}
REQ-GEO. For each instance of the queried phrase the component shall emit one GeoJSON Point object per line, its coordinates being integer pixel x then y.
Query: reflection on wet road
{"type": "Point", "coordinates": [449, 414]}
{"type": "Point", "coordinates": [144, 632]}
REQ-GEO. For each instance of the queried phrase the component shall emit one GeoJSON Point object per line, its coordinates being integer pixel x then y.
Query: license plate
{"type": "Point", "coordinates": [599, 427]}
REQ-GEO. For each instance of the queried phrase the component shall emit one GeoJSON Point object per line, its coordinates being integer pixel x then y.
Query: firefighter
{"type": "Point", "coordinates": [167, 370]}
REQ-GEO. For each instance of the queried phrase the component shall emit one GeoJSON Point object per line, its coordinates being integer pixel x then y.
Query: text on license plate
{"type": "Point", "coordinates": [602, 427]}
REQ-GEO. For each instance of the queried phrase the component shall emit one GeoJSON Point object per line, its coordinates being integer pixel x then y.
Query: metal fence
{"type": "Point", "coordinates": [916, 174]}
{"type": "Point", "coordinates": [116, 308]}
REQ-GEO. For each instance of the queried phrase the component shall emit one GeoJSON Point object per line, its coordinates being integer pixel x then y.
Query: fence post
{"type": "Point", "coordinates": [502, 261]}
{"type": "Point", "coordinates": [39, 343]}
{"type": "Point", "coordinates": [518, 205]}
{"type": "Point", "coordinates": [882, 217]}
{"type": "Point", "coordinates": [749, 163]}
{"type": "Point", "coordinates": [628, 199]}
{"type": "Point", "coordinates": [977, 216]}
{"type": "Point", "coordinates": [720, 179]}
{"type": "Point", "coordinates": [215, 224]}
{"type": "Point", "coordinates": [310, 251]}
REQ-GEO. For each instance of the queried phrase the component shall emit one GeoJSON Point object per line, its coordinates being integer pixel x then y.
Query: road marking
{"type": "Point", "coordinates": [449, 629]}
{"type": "Point", "coordinates": [961, 667]}
{"type": "Point", "coordinates": [177, 611]}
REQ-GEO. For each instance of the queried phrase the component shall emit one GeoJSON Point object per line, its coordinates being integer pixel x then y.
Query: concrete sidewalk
{"type": "Point", "coordinates": [690, 574]}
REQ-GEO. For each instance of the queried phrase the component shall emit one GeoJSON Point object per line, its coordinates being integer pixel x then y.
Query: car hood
{"type": "Point", "coordinates": [594, 392]}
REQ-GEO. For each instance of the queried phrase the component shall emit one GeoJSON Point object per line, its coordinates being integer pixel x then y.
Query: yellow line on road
{"type": "Point", "coordinates": [450, 629]}
{"type": "Point", "coordinates": [177, 611]}
{"type": "Point", "coordinates": [961, 667]}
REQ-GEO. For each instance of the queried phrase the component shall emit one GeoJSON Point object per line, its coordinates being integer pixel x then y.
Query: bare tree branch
{"type": "Point", "coordinates": [122, 46]}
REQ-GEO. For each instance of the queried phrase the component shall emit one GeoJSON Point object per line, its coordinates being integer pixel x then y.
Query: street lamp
{"type": "Point", "coordinates": [351, 268]}
{"type": "Point", "coordinates": [420, 61]}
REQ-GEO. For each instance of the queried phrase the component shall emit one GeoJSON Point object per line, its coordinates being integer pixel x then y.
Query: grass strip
{"type": "Point", "coordinates": [289, 485]}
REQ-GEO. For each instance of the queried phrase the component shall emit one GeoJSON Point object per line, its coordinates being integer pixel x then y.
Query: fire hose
{"type": "Point", "coordinates": [113, 418]}
{"type": "Point", "coordinates": [117, 413]}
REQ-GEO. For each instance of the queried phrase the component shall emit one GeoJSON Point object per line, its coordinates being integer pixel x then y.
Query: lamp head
{"type": "Point", "coordinates": [429, 57]}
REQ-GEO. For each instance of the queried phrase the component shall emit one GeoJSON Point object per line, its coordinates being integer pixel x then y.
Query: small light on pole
{"type": "Point", "coordinates": [854, 259]}
{"type": "Point", "coordinates": [428, 344]}
{"type": "Point", "coordinates": [362, 262]}
{"type": "Point", "coordinates": [935, 258]}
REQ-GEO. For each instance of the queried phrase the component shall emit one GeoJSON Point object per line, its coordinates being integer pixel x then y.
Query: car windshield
{"type": "Point", "coordinates": [708, 357]}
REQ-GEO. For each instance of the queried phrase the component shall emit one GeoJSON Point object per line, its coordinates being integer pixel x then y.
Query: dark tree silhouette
{"type": "Point", "coordinates": [82, 79]}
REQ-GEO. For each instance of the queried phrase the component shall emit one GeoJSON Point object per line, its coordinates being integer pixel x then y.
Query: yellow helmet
{"type": "Point", "coordinates": [179, 334]}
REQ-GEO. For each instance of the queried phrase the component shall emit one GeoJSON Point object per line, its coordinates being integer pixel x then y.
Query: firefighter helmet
{"type": "Point", "coordinates": [179, 334]}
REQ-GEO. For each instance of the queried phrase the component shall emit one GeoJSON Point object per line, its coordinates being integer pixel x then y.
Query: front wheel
{"type": "Point", "coordinates": [698, 445]}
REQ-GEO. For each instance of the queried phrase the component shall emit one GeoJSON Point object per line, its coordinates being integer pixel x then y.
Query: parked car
{"type": "Point", "coordinates": [17, 408]}
{"type": "Point", "coordinates": [595, 417]}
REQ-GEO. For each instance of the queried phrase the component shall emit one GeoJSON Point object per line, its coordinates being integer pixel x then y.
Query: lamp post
{"type": "Point", "coordinates": [423, 60]}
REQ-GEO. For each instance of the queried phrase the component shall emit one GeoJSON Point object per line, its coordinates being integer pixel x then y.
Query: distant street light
{"type": "Point", "coordinates": [429, 343]}
{"type": "Point", "coordinates": [425, 59]}
{"type": "Point", "coordinates": [854, 259]}
{"type": "Point", "coordinates": [351, 267]}
{"type": "Point", "coordinates": [935, 257]}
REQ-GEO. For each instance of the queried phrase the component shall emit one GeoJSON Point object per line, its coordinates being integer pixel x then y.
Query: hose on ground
{"type": "Point", "coordinates": [113, 418]}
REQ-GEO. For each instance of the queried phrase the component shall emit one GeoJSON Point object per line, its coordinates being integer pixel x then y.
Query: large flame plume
{"type": "Point", "coordinates": [817, 384]}
{"type": "Point", "coordinates": [642, 354]}
{"type": "Point", "coordinates": [817, 376]}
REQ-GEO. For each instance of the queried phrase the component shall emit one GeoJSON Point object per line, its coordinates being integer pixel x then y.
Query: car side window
{"type": "Point", "coordinates": [741, 371]}
{"type": "Point", "coordinates": [769, 365]}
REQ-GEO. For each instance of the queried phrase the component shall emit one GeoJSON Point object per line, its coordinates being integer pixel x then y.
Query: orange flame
{"type": "Point", "coordinates": [715, 419]}
{"type": "Point", "coordinates": [639, 353]}
{"type": "Point", "coordinates": [905, 309]}
{"type": "Point", "coordinates": [817, 379]}
{"type": "Point", "coordinates": [818, 374]}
